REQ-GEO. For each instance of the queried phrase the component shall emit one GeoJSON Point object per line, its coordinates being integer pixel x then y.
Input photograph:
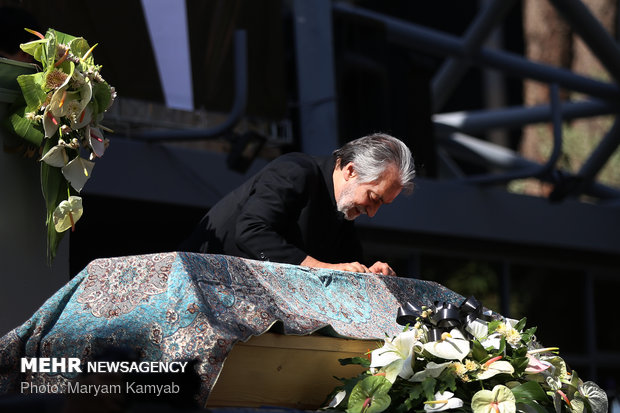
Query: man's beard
{"type": "Point", "coordinates": [346, 205]}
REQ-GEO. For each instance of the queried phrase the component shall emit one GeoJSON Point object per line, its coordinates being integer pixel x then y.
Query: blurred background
{"type": "Point", "coordinates": [509, 107]}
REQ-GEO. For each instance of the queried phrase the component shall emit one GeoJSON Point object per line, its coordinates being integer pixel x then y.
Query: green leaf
{"type": "Point", "coordinates": [533, 405]}
{"type": "Point", "coordinates": [362, 361]}
{"type": "Point", "coordinates": [527, 335]}
{"type": "Point", "coordinates": [502, 345]}
{"type": "Point", "coordinates": [493, 326]}
{"type": "Point", "coordinates": [416, 391]}
{"type": "Point", "coordinates": [520, 324]}
{"type": "Point", "coordinates": [519, 364]}
{"type": "Point", "coordinates": [33, 90]}
{"type": "Point", "coordinates": [529, 391]}
{"type": "Point", "coordinates": [101, 96]}
{"type": "Point", "coordinates": [54, 188]}
{"type": "Point", "coordinates": [65, 38]}
{"type": "Point", "coordinates": [478, 351]}
{"type": "Point", "coordinates": [370, 395]}
{"type": "Point", "coordinates": [24, 128]}
{"type": "Point", "coordinates": [428, 385]}
{"type": "Point", "coordinates": [447, 380]}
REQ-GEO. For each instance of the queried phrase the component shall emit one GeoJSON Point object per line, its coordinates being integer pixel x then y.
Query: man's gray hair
{"type": "Point", "coordinates": [372, 154]}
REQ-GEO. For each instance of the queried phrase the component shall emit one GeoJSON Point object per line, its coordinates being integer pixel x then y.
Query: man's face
{"type": "Point", "coordinates": [357, 198]}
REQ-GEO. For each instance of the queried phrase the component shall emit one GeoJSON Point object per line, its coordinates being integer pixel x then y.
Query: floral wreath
{"type": "Point", "coordinates": [61, 110]}
{"type": "Point", "coordinates": [463, 359]}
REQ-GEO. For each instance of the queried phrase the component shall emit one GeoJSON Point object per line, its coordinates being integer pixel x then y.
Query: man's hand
{"type": "Point", "coordinates": [377, 268]}
{"type": "Point", "coordinates": [381, 268]}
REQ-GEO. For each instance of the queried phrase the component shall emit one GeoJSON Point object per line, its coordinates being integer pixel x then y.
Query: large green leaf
{"type": "Point", "coordinates": [478, 351]}
{"type": "Point", "coordinates": [54, 188]}
{"type": "Point", "coordinates": [529, 391]}
{"type": "Point", "coordinates": [24, 128]}
{"type": "Point", "coordinates": [101, 96]}
{"type": "Point", "coordinates": [65, 38]}
{"type": "Point", "coordinates": [370, 395]}
{"type": "Point", "coordinates": [33, 90]}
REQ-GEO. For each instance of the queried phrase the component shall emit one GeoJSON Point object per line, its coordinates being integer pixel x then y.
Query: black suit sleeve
{"type": "Point", "coordinates": [271, 210]}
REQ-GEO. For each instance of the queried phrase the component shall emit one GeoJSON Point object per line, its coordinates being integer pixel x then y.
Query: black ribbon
{"type": "Point", "coordinates": [444, 317]}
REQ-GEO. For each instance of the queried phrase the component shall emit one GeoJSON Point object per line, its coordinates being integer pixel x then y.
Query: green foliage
{"type": "Point", "coordinates": [370, 396]}
{"type": "Point", "coordinates": [54, 187]}
{"type": "Point", "coordinates": [362, 361]}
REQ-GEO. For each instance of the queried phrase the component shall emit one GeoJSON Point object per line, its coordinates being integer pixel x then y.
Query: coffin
{"type": "Point", "coordinates": [287, 371]}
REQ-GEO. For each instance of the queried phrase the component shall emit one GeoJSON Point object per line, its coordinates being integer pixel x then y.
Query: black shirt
{"type": "Point", "coordinates": [284, 213]}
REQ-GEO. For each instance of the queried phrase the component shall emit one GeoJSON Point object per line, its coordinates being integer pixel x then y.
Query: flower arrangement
{"type": "Point", "coordinates": [62, 107]}
{"type": "Point", "coordinates": [463, 359]}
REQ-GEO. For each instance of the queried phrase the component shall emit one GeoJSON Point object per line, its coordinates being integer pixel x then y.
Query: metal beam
{"type": "Point", "coordinates": [452, 70]}
{"type": "Point", "coordinates": [476, 122]}
{"type": "Point", "coordinates": [593, 34]}
{"type": "Point", "coordinates": [488, 154]}
{"type": "Point", "coordinates": [435, 42]}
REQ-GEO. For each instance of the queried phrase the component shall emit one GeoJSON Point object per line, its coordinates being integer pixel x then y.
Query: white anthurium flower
{"type": "Point", "coordinates": [396, 355]}
{"type": "Point", "coordinates": [67, 213]}
{"type": "Point", "coordinates": [56, 156]}
{"type": "Point", "coordinates": [492, 341]}
{"type": "Point", "coordinates": [443, 401]}
{"type": "Point", "coordinates": [498, 400]}
{"type": "Point", "coordinates": [452, 346]}
{"type": "Point", "coordinates": [80, 100]}
{"type": "Point", "coordinates": [83, 119]}
{"type": "Point", "coordinates": [478, 328]}
{"type": "Point", "coordinates": [96, 141]}
{"type": "Point", "coordinates": [432, 370]}
{"type": "Point", "coordinates": [494, 367]}
{"type": "Point", "coordinates": [77, 172]}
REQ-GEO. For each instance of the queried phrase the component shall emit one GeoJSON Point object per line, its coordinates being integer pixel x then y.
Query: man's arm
{"type": "Point", "coordinates": [271, 210]}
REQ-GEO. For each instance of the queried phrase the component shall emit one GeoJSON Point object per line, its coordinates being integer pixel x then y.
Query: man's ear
{"type": "Point", "coordinates": [348, 171]}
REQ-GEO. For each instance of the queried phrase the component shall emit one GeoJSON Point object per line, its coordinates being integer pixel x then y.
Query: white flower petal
{"type": "Point", "coordinates": [56, 156]}
{"type": "Point", "coordinates": [494, 341]}
{"type": "Point", "coordinates": [451, 348]}
{"type": "Point", "coordinates": [432, 370]}
{"type": "Point", "coordinates": [77, 172]}
{"type": "Point", "coordinates": [400, 347]}
{"type": "Point", "coordinates": [50, 123]}
{"type": "Point", "coordinates": [95, 140]}
{"type": "Point", "coordinates": [496, 368]}
{"type": "Point", "coordinates": [450, 402]}
{"type": "Point", "coordinates": [339, 397]}
{"type": "Point", "coordinates": [478, 328]}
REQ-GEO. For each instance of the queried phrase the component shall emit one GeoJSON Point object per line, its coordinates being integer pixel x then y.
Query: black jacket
{"type": "Point", "coordinates": [284, 213]}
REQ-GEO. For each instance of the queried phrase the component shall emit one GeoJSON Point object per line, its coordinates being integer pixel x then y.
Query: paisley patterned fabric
{"type": "Point", "coordinates": [185, 306]}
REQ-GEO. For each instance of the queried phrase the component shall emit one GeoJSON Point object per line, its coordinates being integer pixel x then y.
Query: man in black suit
{"type": "Point", "coordinates": [300, 209]}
